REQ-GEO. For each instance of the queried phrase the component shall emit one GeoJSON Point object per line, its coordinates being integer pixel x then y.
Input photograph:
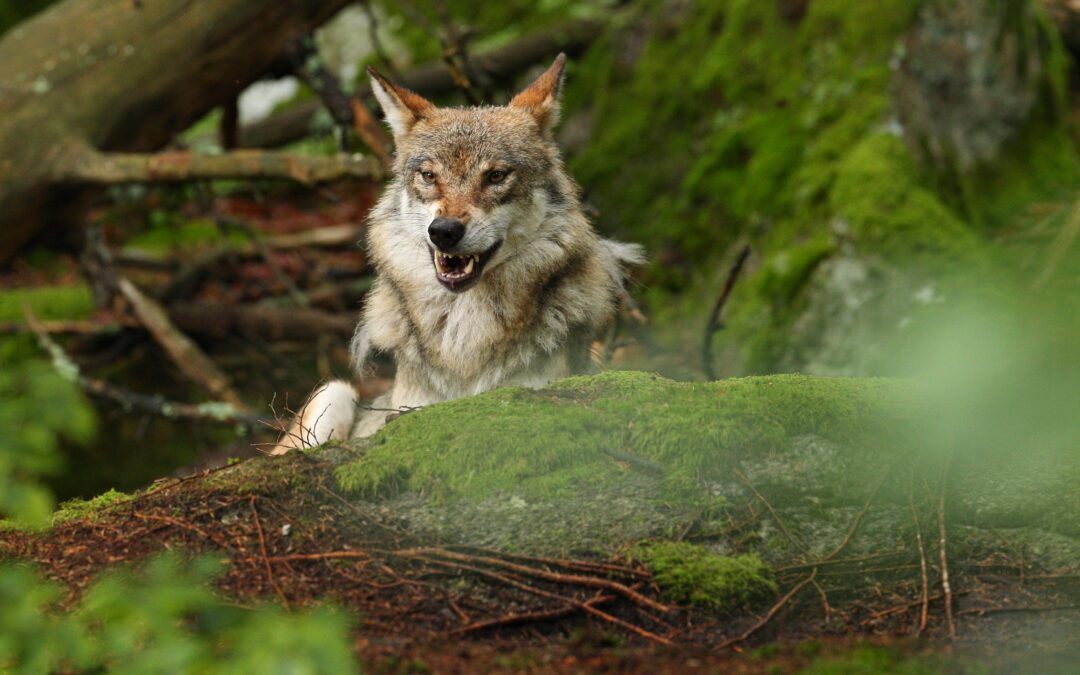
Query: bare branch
{"type": "Point", "coordinates": [89, 166]}
{"type": "Point", "coordinates": [714, 324]}
{"type": "Point", "coordinates": [213, 411]}
{"type": "Point", "coordinates": [496, 65]}
{"type": "Point", "coordinates": [181, 350]}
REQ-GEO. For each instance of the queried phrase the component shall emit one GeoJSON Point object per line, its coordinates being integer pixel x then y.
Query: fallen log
{"type": "Point", "coordinates": [121, 76]}
{"type": "Point", "coordinates": [432, 79]}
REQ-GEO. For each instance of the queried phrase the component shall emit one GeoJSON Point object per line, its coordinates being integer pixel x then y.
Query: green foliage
{"type": "Point", "coordinates": [584, 430]}
{"type": "Point", "coordinates": [689, 573]}
{"type": "Point", "coordinates": [38, 408]}
{"type": "Point", "coordinates": [47, 302]}
{"type": "Point", "coordinates": [165, 619]}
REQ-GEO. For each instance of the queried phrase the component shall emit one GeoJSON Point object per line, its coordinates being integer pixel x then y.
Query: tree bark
{"type": "Point", "coordinates": [122, 76]}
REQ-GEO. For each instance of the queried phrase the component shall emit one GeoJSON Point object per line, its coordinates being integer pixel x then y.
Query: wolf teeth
{"type": "Point", "coordinates": [441, 260]}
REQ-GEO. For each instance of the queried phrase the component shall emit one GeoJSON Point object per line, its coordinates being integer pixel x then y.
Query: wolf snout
{"type": "Point", "coordinates": [445, 233]}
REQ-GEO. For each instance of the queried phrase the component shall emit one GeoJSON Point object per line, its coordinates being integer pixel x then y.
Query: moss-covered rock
{"type": "Point", "coordinates": [549, 442]}
{"type": "Point", "coordinates": [809, 135]}
{"type": "Point", "coordinates": [599, 462]}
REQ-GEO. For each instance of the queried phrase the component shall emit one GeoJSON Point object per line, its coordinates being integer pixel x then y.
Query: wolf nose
{"type": "Point", "coordinates": [445, 233]}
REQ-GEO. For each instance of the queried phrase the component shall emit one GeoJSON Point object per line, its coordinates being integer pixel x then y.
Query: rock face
{"type": "Point", "coordinates": [872, 154]}
{"type": "Point", "coordinates": [807, 465]}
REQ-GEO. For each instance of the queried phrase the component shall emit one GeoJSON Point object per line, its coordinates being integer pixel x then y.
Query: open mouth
{"type": "Point", "coordinates": [458, 272]}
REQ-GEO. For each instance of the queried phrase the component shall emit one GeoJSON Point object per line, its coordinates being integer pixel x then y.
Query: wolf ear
{"type": "Point", "coordinates": [541, 98]}
{"type": "Point", "coordinates": [403, 108]}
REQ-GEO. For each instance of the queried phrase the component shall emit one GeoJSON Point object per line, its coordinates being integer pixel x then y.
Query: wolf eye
{"type": "Point", "coordinates": [427, 176]}
{"type": "Point", "coordinates": [497, 176]}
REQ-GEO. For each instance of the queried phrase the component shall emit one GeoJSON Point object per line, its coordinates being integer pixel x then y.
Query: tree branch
{"type": "Point", "coordinates": [214, 411]}
{"type": "Point", "coordinates": [496, 65]}
{"type": "Point", "coordinates": [90, 166]}
{"type": "Point", "coordinates": [181, 349]}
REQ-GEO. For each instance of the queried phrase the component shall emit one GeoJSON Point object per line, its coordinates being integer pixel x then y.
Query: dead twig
{"type": "Point", "coordinates": [455, 53]}
{"type": "Point", "coordinates": [945, 584]}
{"type": "Point", "coordinates": [214, 411]}
{"type": "Point", "coordinates": [376, 40]}
{"type": "Point", "coordinates": [714, 323]}
{"type": "Point", "coordinates": [776, 516]}
{"type": "Point", "coordinates": [183, 352]}
{"type": "Point", "coordinates": [579, 565]}
{"type": "Point", "coordinates": [532, 617]}
{"type": "Point", "coordinates": [262, 552]}
{"type": "Point", "coordinates": [584, 606]}
{"type": "Point", "coordinates": [920, 626]}
{"type": "Point", "coordinates": [742, 637]}
{"type": "Point", "coordinates": [592, 581]}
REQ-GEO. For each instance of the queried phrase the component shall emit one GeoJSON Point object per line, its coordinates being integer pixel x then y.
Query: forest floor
{"type": "Point", "coordinates": [286, 535]}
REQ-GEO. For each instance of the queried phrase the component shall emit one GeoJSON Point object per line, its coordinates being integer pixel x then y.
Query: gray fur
{"type": "Point", "coordinates": [550, 288]}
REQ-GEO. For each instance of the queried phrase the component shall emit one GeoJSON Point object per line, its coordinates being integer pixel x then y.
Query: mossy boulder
{"type": "Point", "coordinates": [599, 462]}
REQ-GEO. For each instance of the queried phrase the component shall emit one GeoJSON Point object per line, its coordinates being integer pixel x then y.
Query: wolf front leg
{"type": "Point", "coordinates": [328, 415]}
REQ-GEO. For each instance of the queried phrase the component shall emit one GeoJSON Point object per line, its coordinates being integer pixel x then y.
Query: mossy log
{"type": "Point", "coordinates": [598, 462]}
{"type": "Point", "coordinates": [98, 76]}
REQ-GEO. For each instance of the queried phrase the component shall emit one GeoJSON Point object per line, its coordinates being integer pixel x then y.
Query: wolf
{"type": "Point", "coordinates": [488, 273]}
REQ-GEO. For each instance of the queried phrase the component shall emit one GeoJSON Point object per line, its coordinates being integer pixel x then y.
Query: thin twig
{"type": "Point", "coordinates": [586, 607]}
{"type": "Point", "coordinates": [776, 516]}
{"type": "Point", "coordinates": [262, 552]}
{"type": "Point", "coordinates": [945, 585]}
{"type": "Point", "coordinates": [595, 582]}
{"type": "Point", "coordinates": [925, 592]}
{"type": "Point", "coordinates": [215, 411]}
{"type": "Point", "coordinates": [182, 350]}
{"type": "Point", "coordinates": [532, 617]}
{"type": "Point", "coordinates": [771, 613]}
{"type": "Point", "coordinates": [714, 323]}
{"type": "Point", "coordinates": [580, 565]}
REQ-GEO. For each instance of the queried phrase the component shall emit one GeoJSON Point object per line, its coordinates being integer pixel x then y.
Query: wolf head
{"type": "Point", "coordinates": [473, 186]}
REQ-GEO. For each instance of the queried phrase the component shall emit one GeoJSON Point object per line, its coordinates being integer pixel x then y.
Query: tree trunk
{"type": "Point", "coordinates": [122, 75]}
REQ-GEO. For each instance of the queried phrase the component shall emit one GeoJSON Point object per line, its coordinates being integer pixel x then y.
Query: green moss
{"type": "Point", "coordinates": [879, 195]}
{"type": "Point", "coordinates": [47, 302]}
{"type": "Point", "coordinates": [751, 128]}
{"type": "Point", "coordinates": [689, 573]}
{"type": "Point", "coordinates": [88, 509]}
{"type": "Point", "coordinates": [1040, 166]}
{"type": "Point", "coordinates": [588, 431]}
